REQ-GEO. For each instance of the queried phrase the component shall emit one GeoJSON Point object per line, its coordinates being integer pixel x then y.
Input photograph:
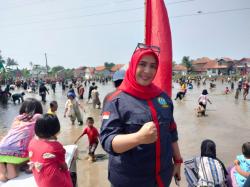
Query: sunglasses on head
{"type": "Point", "coordinates": [154, 48]}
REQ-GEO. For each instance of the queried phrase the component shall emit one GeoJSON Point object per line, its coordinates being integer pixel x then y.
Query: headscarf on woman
{"type": "Point", "coordinates": [129, 84]}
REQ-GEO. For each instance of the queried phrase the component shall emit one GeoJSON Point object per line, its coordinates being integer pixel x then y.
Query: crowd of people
{"type": "Point", "coordinates": [138, 131]}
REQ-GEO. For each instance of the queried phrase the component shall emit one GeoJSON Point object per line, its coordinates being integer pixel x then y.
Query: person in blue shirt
{"type": "Point", "coordinates": [243, 162]}
{"type": "Point", "coordinates": [138, 128]}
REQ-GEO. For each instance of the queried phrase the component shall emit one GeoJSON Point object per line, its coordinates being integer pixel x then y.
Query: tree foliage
{"type": "Point", "coordinates": [187, 62]}
{"type": "Point", "coordinates": [10, 62]}
{"type": "Point", "coordinates": [25, 73]}
{"type": "Point", "coordinates": [2, 61]}
{"type": "Point", "coordinates": [56, 69]}
{"type": "Point", "coordinates": [109, 65]}
{"type": "Point", "coordinates": [69, 73]}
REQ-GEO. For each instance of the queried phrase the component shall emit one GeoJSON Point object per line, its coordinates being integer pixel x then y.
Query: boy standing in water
{"type": "Point", "coordinates": [52, 108]}
{"type": "Point", "coordinates": [72, 109]}
{"type": "Point", "coordinates": [93, 135]}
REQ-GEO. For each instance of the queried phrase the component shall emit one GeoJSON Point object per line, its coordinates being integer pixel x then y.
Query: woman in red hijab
{"type": "Point", "coordinates": [138, 129]}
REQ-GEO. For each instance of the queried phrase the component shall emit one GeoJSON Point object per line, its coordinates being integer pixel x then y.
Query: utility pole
{"type": "Point", "coordinates": [46, 64]}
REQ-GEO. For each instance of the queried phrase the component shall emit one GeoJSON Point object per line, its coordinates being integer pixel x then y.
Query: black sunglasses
{"type": "Point", "coordinates": [154, 48]}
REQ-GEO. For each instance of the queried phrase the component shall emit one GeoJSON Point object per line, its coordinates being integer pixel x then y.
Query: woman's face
{"type": "Point", "coordinates": [146, 70]}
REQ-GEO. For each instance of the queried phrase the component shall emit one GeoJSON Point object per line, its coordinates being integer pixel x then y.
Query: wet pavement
{"type": "Point", "coordinates": [227, 124]}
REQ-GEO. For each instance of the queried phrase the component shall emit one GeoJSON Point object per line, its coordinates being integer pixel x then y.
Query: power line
{"type": "Point", "coordinates": [66, 10]}
{"type": "Point", "coordinates": [88, 15]}
{"type": "Point", "coordinates": [25, 4]}
{"type": "Point", "coordinates": [76, 17]}
{"type": "Point", "coordinates": [90, 6]}
{"type": "Point", "coordinates": [178, 2]}
{"type": "Point", "coordinates": [199, 13]}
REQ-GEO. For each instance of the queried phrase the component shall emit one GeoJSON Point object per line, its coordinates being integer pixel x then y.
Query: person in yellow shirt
{"type": "Point", "coordinates": [53, 108]}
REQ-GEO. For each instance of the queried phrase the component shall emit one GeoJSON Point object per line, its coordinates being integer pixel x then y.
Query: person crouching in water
{"type": "Point", "coordinates": [203, 99]}
{"type": "Point", "coordinates": [226, 91]}
{"type": "Point", "coordinates": [47, 155]}
{"type": "Point", "coordinates": [72, 109]}
{"type": "Point", "coordinates": [93, 136]}
{"type": "Point", "coordinates": [18, 97]}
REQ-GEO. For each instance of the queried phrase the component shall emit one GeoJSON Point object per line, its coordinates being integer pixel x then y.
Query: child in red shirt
{"type": "Point", "coordinates": [47, 155]}
{"type": "Point", "coordinates": [93, 136]}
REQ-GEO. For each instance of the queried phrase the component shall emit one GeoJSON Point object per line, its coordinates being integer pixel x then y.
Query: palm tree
{"type": "Point", "coordinates": [9, 67]}
{"type": "Point", "coordinates": [11, 62]}
{"type": "Point", "coordinates": [2, 61]}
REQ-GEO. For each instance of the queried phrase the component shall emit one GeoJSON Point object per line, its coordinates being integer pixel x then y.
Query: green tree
{"type": "Point", "coordinates": [187, 62]}
{"type": "Point", "coordinates": [55, 69]}
{"type": "Point", "coordinates": [108, 65]}
{"type": "Point", "coordinates": [10, 63]}
{"type": "Point", "coordinates": [25, 73]}
{"type": "Point", "coordinates": [69, 73]}
{"type": "Point", "coordinates": [2, 61]}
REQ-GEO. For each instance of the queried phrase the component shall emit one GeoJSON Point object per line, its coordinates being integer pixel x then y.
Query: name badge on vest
{"type": "Point", "coordinates": [162, 102]}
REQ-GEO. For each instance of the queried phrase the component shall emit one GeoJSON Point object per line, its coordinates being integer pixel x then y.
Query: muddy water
{"type": "Point", "coordinates": [227, 124]}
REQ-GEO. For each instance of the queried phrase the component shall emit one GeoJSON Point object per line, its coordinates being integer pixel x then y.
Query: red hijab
{"type": "Point", "coordinates": [129, 84]}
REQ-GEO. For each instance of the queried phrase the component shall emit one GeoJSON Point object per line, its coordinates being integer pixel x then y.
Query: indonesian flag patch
{"type": "Point", "coordinates": [105, 115]}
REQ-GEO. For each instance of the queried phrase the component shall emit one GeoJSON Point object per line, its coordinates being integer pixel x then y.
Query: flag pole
{"type": "Point", "coordinates": [145, 15]}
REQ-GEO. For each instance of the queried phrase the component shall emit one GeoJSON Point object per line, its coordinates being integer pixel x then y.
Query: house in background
{"type": "Point", "coordinates": [242, 66]}
{"type": "Point", "coordinates": [102, 71]}
{"type": "Point", "coordinates": [229, 63]}
{"type": "Point", "coordinates": [198, 65]}
{"type": "Point", "coordinates": [221, 66]}
{"type": "Point", "coordinates": [179, 69]}
{"type": "Point", "coordinates": [80, 72]}
{"type": "Point", "coordinates": [38, 71]}
{"type": "Point", "coordinates": [89, 73]}
{"type": "Point", "coordinates": [213, 68]}
{"type": "Point", "coordinates": [116, 67]}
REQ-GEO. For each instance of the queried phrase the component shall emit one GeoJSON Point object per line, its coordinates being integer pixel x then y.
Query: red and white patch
{"type": "Point", "coordinates": [105, 115]}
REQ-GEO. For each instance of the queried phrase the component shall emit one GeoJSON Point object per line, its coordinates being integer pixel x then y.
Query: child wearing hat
{"type": "Point", "coordinates": [72, 109]}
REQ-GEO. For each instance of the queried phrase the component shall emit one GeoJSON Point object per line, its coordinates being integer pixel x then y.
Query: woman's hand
{"type": "Point", "coordinates": [177, 171]}
{"type": "Point", "coordinates": [147, 134]}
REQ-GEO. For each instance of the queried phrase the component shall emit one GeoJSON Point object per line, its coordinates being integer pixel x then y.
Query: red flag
{"type": "Point", "coordinates": [158, 33]}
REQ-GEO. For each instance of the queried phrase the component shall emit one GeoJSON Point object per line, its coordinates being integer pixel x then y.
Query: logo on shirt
{"type": "Point", "coordinates": [105, 115]}
{"type": "Point", "coordinates": [162, 102]}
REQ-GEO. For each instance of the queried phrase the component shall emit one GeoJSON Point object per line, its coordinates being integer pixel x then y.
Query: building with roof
{"type": "Point", "coordinates": [116, 67]}
{"type": "Point", "coordinates": [242, 66]}
{"type": "Point", "coordinates": [198, 65]}
{"type": "Point", "coordinates": [38, 71]}
{"type": "Point", "coordinates": [213, 68]}
{"type": "Point", "coordinates": [179, 69]}
{"type": "Point", "coordinates": [102, 71]}
{"type": "Point", "coordinates": [80, 72]}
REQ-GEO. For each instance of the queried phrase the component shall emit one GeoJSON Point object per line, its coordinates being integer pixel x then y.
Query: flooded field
{"type": "Point", "coordinates": [227, 124]}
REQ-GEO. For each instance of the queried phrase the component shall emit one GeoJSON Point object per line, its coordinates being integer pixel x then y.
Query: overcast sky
{"type": "Point", "coordinates": [77, 33]}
